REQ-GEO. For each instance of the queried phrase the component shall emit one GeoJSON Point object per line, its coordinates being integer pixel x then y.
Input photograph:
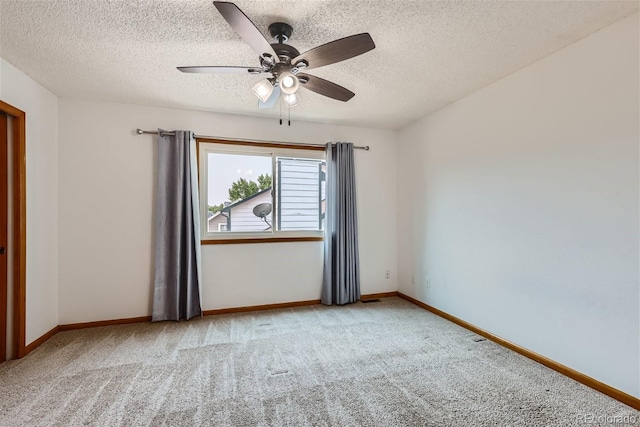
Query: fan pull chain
{"type": "Point", "coordinates": [280, 102]}
{"type": "Point", "coordinates": [289, 109]}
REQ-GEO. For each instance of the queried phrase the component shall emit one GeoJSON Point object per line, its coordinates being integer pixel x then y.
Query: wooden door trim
{"type": "Point", "coordinates": [18, 194]}
{"type": "Point", "coordinates": [4, 191]}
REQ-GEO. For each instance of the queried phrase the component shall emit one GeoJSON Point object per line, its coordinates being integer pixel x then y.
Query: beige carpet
{"type": "Point", "coordinates": [378, 364]}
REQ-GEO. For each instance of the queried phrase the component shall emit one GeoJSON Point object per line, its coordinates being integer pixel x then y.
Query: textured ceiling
{"type": "Point", "coordinates": [428, 53]}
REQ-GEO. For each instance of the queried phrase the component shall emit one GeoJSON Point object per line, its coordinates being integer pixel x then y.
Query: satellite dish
{"type": "Point", "coordinates": [262, 210]}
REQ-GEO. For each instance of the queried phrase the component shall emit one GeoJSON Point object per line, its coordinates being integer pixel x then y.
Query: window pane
{"type": "Point", "coordinates": [300, 194]}
{"type": "Point", "coordinates": [239, 193]}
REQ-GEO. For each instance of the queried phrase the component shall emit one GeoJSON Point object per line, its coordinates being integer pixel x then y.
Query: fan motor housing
{"type": "Point", "coordinates": [285, 52]}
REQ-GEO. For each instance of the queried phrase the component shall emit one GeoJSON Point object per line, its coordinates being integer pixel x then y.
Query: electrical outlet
{"type": "Point", "coordinates": [428, 282]}
{"type": "Point", "coordinates": [387, 275]}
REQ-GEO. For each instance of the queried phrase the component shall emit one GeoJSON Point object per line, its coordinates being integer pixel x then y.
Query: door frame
{"type": "Point", "coordinates": [4, 229]}
{"type": "Point", "coordinates": [18, 193]}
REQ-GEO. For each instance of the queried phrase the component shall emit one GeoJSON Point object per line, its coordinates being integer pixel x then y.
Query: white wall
{"type": "Point", "coordinates": [521, 204]}
{"type": "Point", "coordinates": [41, 108]}
{"type": "Point", "coordinates": [107, 179]}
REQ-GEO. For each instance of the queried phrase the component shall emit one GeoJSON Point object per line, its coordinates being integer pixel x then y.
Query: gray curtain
{"type": "Point", "coordinates": [176, 287]}
{"type": "Point", "coordinates": [341, 278]}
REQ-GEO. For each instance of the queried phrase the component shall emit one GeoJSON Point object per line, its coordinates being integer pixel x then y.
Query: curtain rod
{"type": "Point", "coordinates": [152, 132]}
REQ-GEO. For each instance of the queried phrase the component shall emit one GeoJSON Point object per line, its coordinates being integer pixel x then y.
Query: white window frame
{"type": "Point", "coordinates": [204, 148]}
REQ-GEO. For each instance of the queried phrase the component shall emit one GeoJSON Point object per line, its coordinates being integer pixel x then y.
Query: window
{"type": "Point", "coordinates": [261, 191]}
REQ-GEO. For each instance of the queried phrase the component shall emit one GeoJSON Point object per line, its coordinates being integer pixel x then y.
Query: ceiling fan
{"type": "Point", "coordinates": [282, 63]}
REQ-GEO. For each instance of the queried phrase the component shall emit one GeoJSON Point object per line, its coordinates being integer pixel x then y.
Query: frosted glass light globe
{"type": "Point", "coordinates": [288, 82]}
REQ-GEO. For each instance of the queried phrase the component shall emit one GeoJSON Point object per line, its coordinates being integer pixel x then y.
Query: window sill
{"type": "Point", "coordinates": [241, 240]}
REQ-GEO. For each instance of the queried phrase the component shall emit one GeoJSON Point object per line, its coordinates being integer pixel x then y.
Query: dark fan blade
{"type": "Point", "coordinates": [245, 28]}
{"type": "Point", "coordinates": [325, 87]}
{"type": "Point", "coordinates": [336, 51]}
{"type": "Point", "coordinates": [221, 70]}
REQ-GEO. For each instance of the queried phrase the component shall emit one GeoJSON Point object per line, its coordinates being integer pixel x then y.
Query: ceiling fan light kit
{"type": "Point", "coordinates": [291, 99]}
{"type": "Point", "coordinates": [263, 89]}
{"type": "Point", "coordinates": [288, 83]}
{"type": "Point", "coordinates": [284, 62]}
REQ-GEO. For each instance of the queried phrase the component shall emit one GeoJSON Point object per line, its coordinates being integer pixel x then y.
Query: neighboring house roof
{"type": "Point", "coordinates": [221, 217]}
{"type": "Point", "coordinates": [239, 202]}
{"type": "Point", "coordinates": [246, 199]}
